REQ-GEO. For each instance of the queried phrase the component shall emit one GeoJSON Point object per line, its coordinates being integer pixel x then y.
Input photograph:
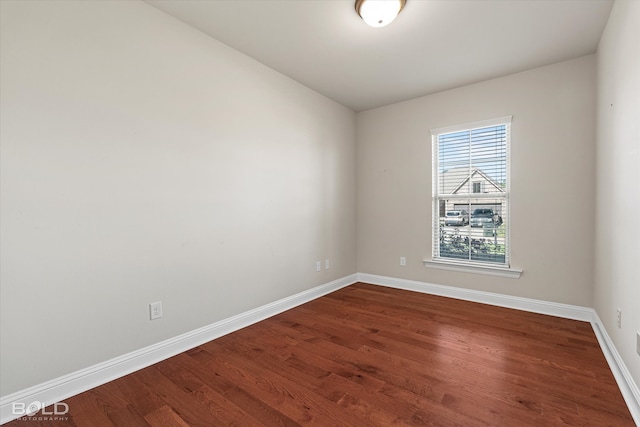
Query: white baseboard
{"type": "Point", "coordinates": [525, 304]}
{"type": "Point", "coordinates": [627, 385]}
{"type": "Point", "coordinates": [77, 382]}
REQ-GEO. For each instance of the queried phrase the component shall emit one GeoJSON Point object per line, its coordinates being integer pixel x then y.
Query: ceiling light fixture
{"type": "Point", "coordinates": [378, 13]}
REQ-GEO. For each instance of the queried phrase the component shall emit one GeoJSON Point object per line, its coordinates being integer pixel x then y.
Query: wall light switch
{"type": "Point", "coordinates": [318, 266]}
{"type": "Point", "coordinates": [403, 261]}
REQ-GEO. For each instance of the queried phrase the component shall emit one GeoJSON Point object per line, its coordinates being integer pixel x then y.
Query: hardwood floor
{"type": "Point", "coordinates": [372, 356]}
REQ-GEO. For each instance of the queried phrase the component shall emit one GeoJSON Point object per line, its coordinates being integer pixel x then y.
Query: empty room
{"type": "Point", "coordinates": [319, 212]}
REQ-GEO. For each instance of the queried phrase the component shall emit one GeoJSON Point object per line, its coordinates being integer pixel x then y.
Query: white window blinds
{"type": "Point", "coordinates": [471, 192]}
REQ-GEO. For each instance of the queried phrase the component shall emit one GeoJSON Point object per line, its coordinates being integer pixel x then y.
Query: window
{"type": "Point", "coordinates": [471, 174]}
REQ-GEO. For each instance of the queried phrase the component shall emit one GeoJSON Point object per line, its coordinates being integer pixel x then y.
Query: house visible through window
{"type": "Point", "coordinates": [471, 193]}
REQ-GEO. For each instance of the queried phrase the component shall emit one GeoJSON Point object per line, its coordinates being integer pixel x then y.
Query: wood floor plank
{"type": "Point", "coordinates": [165, 417]}
{"type": "Point", "coordinates": [87, 409]}
{"type": "Point", "coordinates": [138, 395]}
{"type": "Point", "coordinates": [425, 389]}
{"type": "Point", "coordinates": [223, 409]}
{"type": "Point", "coordinates": [304, 406]}
{"type": "Point", "coordinates": [372, 356]}
{"type": "Point", "coordinates": [180, 401]}
{"type": "Point", "coordinates": [127, 416]}
{"type": "Point", "coordinates": [331, 380]}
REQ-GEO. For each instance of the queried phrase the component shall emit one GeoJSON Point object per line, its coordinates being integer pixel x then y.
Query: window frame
{"type": "Point", "coordinates": [467, 265]}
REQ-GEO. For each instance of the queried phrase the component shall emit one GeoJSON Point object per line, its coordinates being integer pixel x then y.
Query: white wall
{"type": "Point", "coordinates": [552, 181]}
{"type": "Point", "coordinates": [144, 161]}
{"type": "Point", "coordinates": [617, 278]}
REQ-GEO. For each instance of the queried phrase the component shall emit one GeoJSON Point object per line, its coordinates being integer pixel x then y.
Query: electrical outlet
{"type": "Point", "coordinates": [326, 264]}
{"type": "Point", "coordinates": [403, 261]}
{"type": "Point", "coordinates": [619, 317]}
{"type": "Point", "coordinates": [318, 266]}
{"type": "Point", "coordinates": [155, 310]}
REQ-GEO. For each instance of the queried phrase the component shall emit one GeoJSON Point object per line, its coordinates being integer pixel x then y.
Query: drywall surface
{"type": "Point", "coordinates": [617, 272]}
{"type": "Point", "coordinates": [552, 181]}
{"type": "Point", "coordinates": [143, 161]}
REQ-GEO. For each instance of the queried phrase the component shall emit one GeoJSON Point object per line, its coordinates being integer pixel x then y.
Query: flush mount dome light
{"type": "Point", "coordinates": [379, 13]}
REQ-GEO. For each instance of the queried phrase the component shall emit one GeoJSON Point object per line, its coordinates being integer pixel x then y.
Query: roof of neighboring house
{"type": "Point", "coordinates": [452, 180]}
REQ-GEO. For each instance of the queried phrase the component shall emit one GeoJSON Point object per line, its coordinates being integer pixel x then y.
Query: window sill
{"type": "Point", "coordinates": [510, 273]}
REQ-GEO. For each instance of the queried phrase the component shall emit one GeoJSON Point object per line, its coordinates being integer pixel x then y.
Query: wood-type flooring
{"type": "Point", "coordinates": [368, 355]}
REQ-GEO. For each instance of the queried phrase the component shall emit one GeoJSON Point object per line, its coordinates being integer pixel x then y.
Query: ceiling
{"type": "Point", "coordinates": [432, 46]}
